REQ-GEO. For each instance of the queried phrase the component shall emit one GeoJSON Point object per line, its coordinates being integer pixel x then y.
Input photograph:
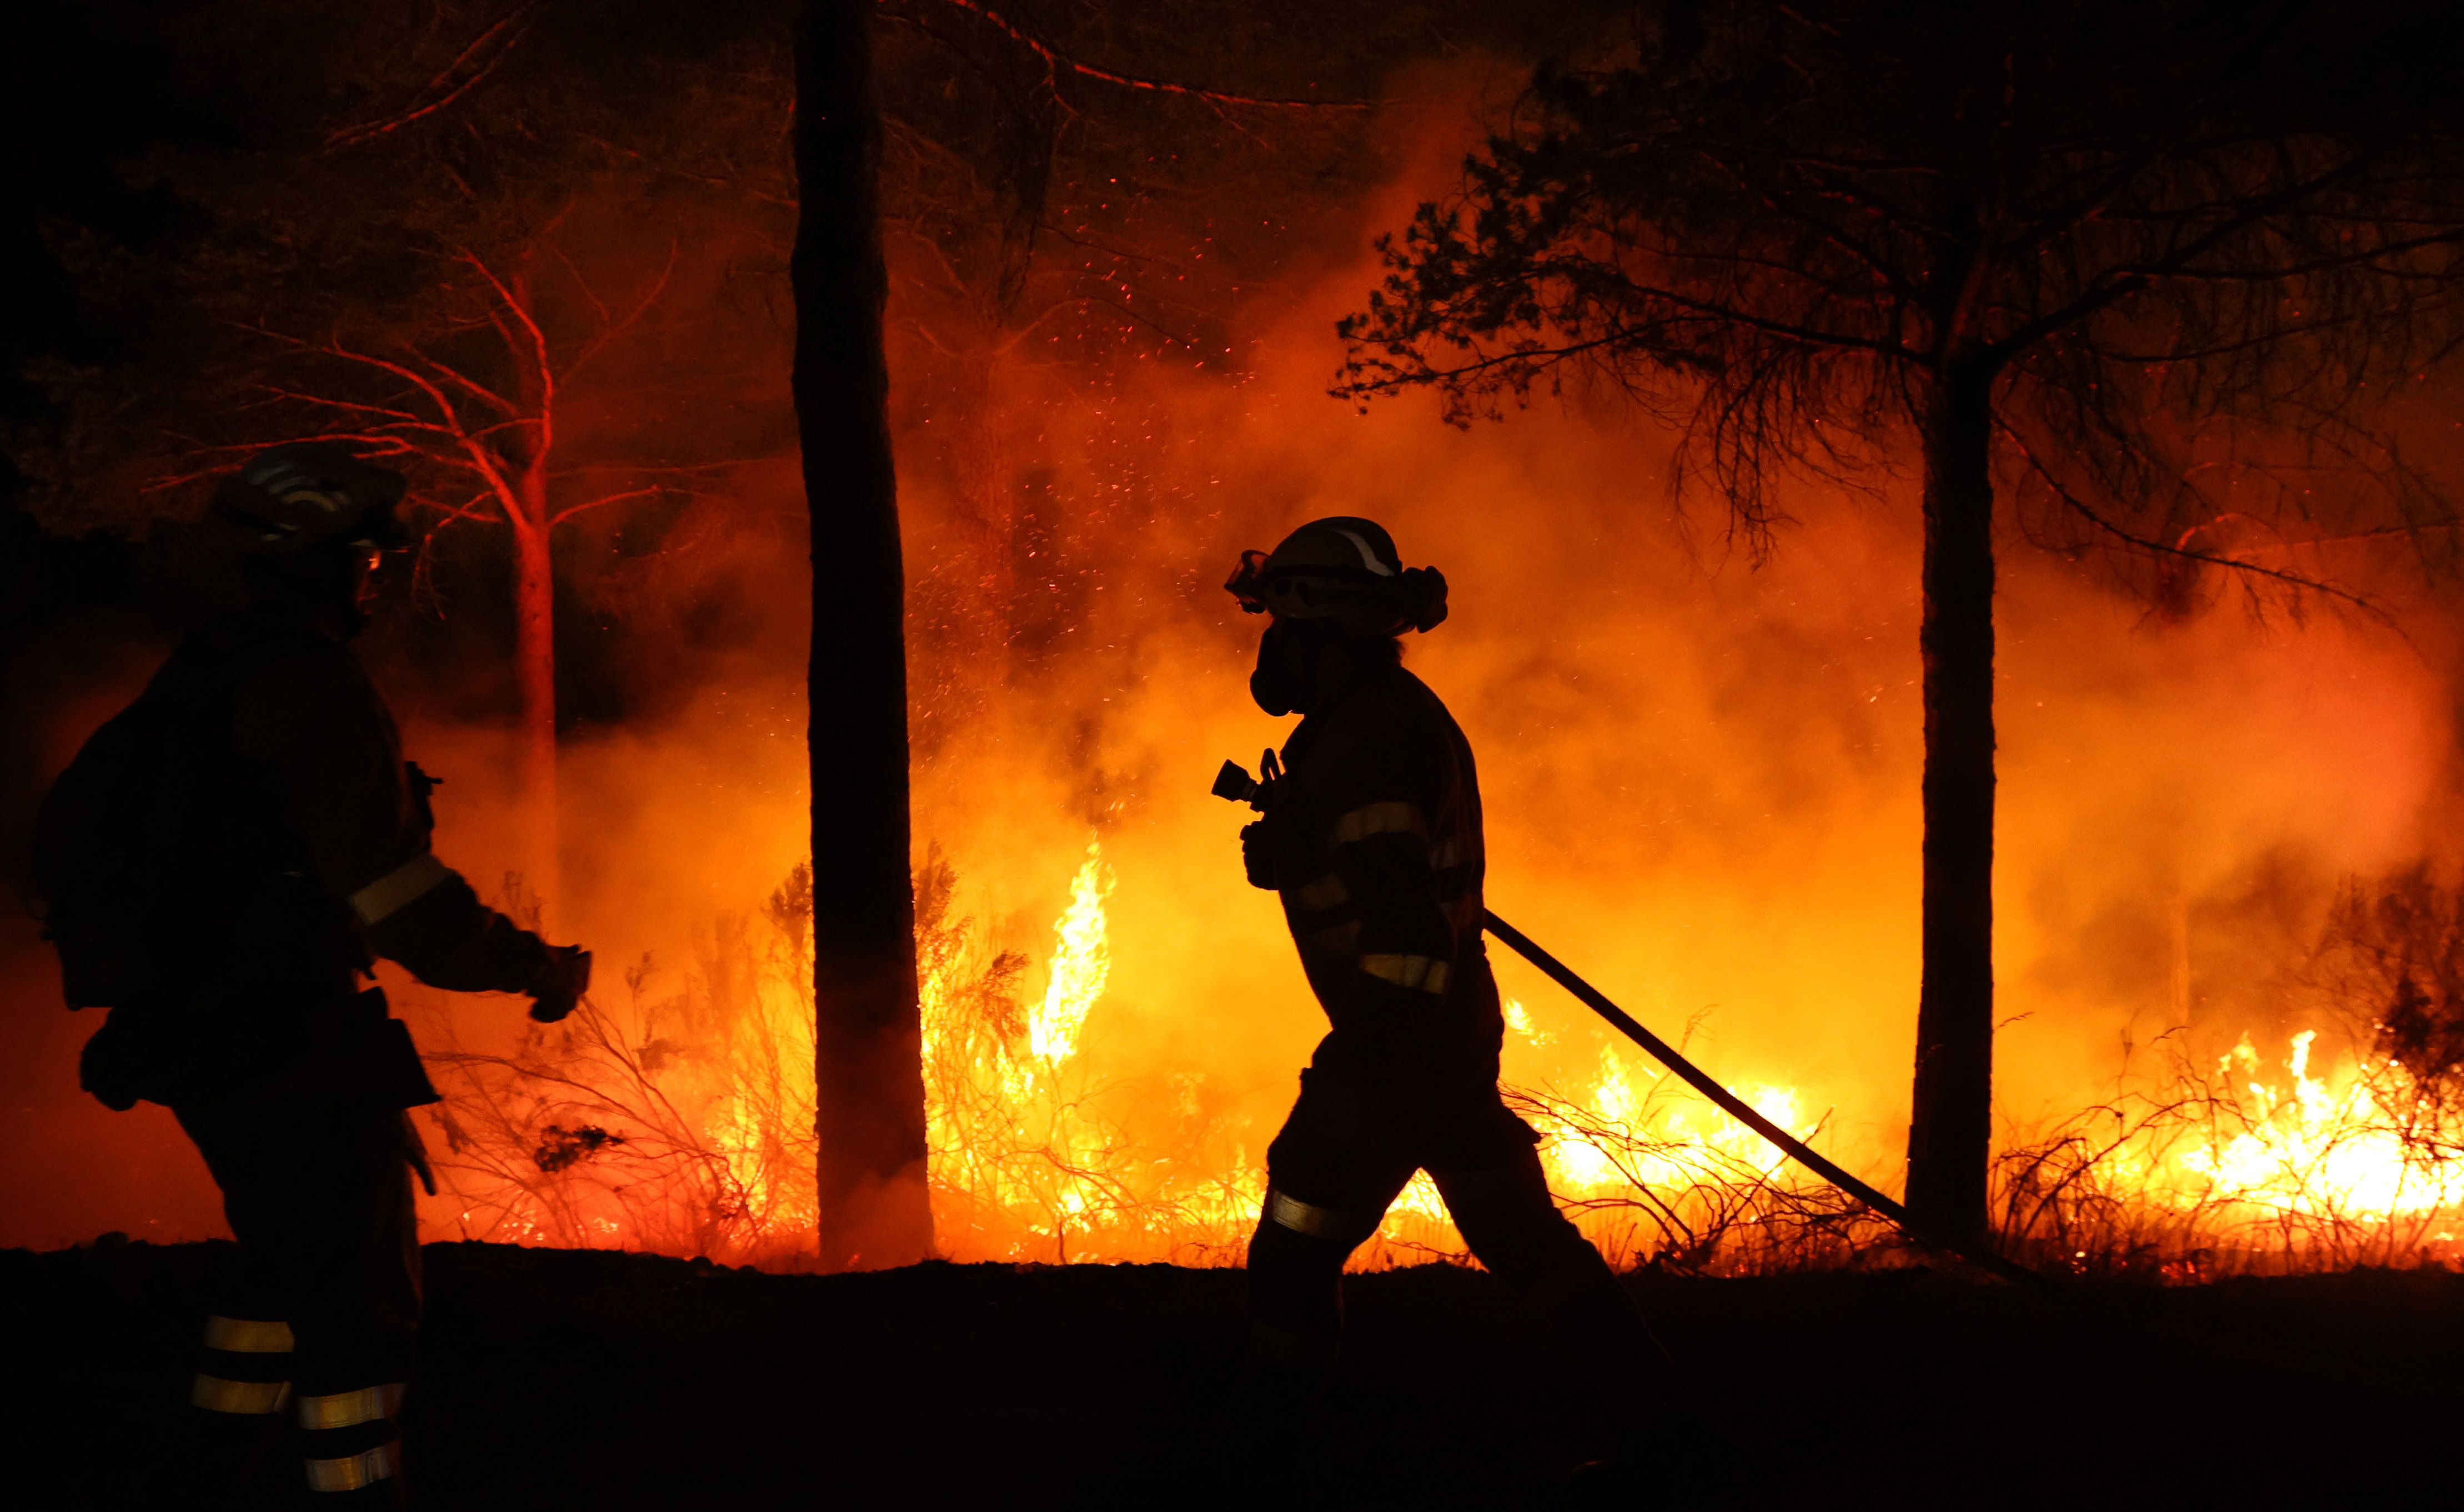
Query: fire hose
{"type": "Point", "coordinates": [1235, 783]}
{"type": "Point", "coordinates": [1737, 1108]}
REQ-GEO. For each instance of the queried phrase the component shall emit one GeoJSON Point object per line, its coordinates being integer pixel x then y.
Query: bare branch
{"type": "Point", "coordinates": [2071, 501]}
{"type": "Point", "coordinates": [1055, 59]}
{"type": "Point", "coordinates": [570, 510]}
{"type": "Point", "coordinates": [610, 332]}
{"type": "Point", "coordinates": [518, 307]}
{"type": "Point", "coordinates": [470, 68]}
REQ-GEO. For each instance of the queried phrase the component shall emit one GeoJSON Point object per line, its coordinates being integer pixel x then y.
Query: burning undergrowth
{"type": "Point", "coordinates": [680, 1122]}
{"type": "Point", "coordinates": [2247, 1164]}
{"type": "Point", "coordinates": [2240, 1161]}
{"type": "Point", "coordinates": [677, 1122]}
{"type": "Point", "coordinates": [1701, 781]}
{"type": "Point", "coordinates": [1031, 1156]}
{"type": "Point", "coordinates": [670, 1124]}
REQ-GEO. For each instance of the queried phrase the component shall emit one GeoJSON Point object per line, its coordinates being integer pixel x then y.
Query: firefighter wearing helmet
{"type": "Point", "coordinates": [1370, 837]}
{"type": "Point", "coordinates": [220, 868]}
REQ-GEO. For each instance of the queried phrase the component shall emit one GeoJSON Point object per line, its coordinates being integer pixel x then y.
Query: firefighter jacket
{"type": "Point", "coordinates": [314, 736]}
{"type": "Point", "coordinates": [1374, 833]}
{"type": "Point", "coordinates": [305, 858]}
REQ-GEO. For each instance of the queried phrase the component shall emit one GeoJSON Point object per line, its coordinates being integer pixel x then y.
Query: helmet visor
{"type": "Point", "coordinates": [1249, 582]}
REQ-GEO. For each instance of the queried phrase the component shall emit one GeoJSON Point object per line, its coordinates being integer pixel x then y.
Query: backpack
{"type": "Point", "coordinates": [118, 838]}
{"type": "Point", "coordinates": [98, 866]}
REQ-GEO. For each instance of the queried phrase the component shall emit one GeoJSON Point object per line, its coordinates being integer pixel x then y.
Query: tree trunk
{"type": "Point", "coordinates": [1949, 1125]}
{"type": "Point", "coordinates": [534, 676]}
{"type": "Point", "coordinates": [868, 1040]}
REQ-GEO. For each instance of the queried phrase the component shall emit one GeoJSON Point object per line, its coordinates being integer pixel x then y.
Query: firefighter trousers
{"type": "Point", "coordinates": [1343, 1156]}
{"type": "Point", "coordinates": [317, 1320]}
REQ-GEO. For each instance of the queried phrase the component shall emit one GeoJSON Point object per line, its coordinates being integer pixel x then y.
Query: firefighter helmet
{"type": "Point", "coordinates": [288, 498]}
{"type": "Point", "coordinates": [1345, 569]}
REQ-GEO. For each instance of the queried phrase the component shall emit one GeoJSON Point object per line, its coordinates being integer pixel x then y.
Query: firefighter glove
{"type": "Point", "coordinates": [1256, 857]}
{"type": "Point", "coordinates": [562, 980]}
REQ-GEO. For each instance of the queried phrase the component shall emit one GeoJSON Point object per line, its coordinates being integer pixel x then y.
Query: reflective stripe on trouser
{"type": "Point", "coordinates": [349, 1438]}
{"type": "Point", "coordinates": [352, 1472]}
{"type": "Point", "coordinates": [1331, 1224]}
{"type": "Point", "coordinates": [1421, 973]}
{"type": "Point", "coordinates": [246, 1368]}
{"type": "Point", "coordinates": [248, 1335]}
{"type": "Point", "coordinates": [351, 1409]}
{"type": "Point", "coordinates": [243, 1398]}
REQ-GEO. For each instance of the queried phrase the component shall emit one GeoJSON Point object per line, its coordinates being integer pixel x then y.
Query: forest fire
{"type": "Point", "coordinates": [1701, 779]}
{"type": "Point", "coordinates": [2263, 1162]}
{"type": "Point", "coordinates": [1044, 1148]}
{"type": "Point", "coordinates": [613, 632]}
{"type": "Point", "coordinates": [1081, 964]}
{"type": "Point", "coordinates": [2311, 1152]}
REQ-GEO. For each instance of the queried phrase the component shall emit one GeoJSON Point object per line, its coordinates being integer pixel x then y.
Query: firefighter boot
{"type": "Point", "coordinates": [1295, 1332]}
{"type": "Point", "coordinates": [1272, 1433]}
{"type": "Point", "coordinates": [1662, 1451]}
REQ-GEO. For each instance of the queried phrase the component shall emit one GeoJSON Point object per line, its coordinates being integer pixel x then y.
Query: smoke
{"type": "Point", "coordinates": [1700, 775]}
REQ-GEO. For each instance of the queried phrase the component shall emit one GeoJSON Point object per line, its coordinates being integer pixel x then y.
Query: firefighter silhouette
{"type": "Point", "coordinates": [221, 866]}
{"type": "Point", "coordinates": [1370, 837]}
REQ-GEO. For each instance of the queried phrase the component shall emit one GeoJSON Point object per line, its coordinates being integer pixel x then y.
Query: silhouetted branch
{"type": "Point", "coordinates": [2159, 548]}
{"type": "Point", "coordinates": [571, 510]}
{"type": "Point", "coordinates": [470, 68]}
{"type": "Point", "coordinates": [1056, 60]}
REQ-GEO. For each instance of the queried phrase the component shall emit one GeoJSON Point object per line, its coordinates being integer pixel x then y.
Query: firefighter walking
{"type": "Point", "coordinates": [1371, 838]}
{"type": "Point", "coordinates": [221, 866]}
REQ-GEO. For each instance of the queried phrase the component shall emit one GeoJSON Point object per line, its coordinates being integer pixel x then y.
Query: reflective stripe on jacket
{"type": "Point", "coordinates": [1375, 829]}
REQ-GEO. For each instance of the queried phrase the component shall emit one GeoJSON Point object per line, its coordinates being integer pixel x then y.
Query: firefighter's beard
{"type": "Point", "coordinates": [1287, 663]}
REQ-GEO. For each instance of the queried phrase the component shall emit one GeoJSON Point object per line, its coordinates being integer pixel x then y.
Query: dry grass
{"type": "Point", "coordinates": [681, 1122]}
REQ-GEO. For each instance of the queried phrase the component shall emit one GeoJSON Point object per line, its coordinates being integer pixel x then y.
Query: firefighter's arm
{"type": "Point", "coordinates": [1381, 856]}
{"type": "Point", "coordinates": [426, 917]}
{"type": "Point", "coordinates": [321, 729]}
{"type": "Point", "coordinates": [1376, 908]}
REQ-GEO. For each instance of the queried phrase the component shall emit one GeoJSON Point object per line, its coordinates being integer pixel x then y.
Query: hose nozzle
{"type": "Point", "coordinates": [1234, 783]}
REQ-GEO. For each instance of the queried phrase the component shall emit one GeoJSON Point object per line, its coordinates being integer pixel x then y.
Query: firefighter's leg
{"type": "Point", "coordinates": [240, 1395]}
{"type": "Point", "coordinates": [357, 1309]}
{"type": "Point", "coordinates": [1503, 1207]}
{"type": "Point", "coordinates": [239, 1398]}
{"type": "Point", "coordinates": [317, 1192]}
{"type": "Point", "coordinates": [1330, 1175]}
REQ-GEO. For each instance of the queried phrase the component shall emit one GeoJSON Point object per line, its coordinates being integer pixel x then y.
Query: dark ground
{"type": "Point", "coordinates": [558, 1379]}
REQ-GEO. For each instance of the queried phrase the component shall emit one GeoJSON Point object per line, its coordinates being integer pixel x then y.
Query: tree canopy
{"type": "Point", "coordinates": [2181, 240]}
